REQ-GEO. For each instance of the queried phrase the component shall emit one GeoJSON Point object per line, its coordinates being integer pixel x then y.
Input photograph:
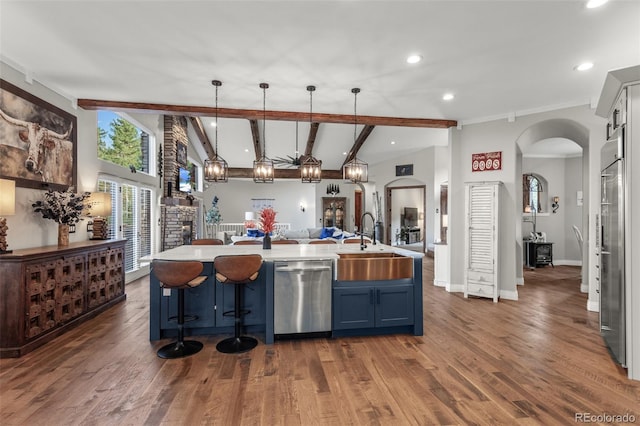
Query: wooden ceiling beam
{"type": "Point", "coordinates": [255, 134]}
{"type": "Point", "coordinates": [237, 172]}
{"type": "Point", "coordinates": [313, 132]}
{"type": "Point", "coordinates": [255, 114]}
{"type": "Point", "coordinates": [202, 136]}
{"type": "Point", "coordinates": [362, 137]}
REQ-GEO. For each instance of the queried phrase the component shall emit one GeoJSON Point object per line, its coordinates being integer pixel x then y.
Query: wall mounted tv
{"type": "Point", "coordinates": [410, 217]}
{"type": "Point", "coordinates": [184, 180]}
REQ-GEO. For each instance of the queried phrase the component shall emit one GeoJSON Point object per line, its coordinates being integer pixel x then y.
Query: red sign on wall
{"type": "Point", "coordinates": [486, 161]}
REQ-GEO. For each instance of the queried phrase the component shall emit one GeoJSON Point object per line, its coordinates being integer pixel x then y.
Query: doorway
{"type": "Point", "coordinates": [556, 153]}
{"type": "Point", "coordinates": [405, 217]}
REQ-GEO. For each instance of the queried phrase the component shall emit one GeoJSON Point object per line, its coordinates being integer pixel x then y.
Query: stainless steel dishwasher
{"type": "Point", "coordinates": [302, 296]}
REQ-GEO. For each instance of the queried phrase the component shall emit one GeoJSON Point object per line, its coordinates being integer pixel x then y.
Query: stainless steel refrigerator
{"type": "Point", "coordinates": [612, 253]}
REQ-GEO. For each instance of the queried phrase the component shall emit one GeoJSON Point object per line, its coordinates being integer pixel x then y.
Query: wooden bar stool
{"type": "Point", "coordinates": [248, 243]}
{"type": "Point", "coordinates": [237, 270]}
{"type": "Point", "coordinates": [207, 242]}
{"type": "Point", "coordinates": [179, 275]}
{"type": "Point", "coordinates": [322, 242]}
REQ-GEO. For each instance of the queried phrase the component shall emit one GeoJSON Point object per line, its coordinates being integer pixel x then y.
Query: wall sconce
{"type": "Point", "coordinates": [100, 211]}
{"type": "Point", "coordinates": [302, 208]}
{"type": "Point", "coordinates": [556, 204]}
{"type": "Point", "coordinates": [7, 208]}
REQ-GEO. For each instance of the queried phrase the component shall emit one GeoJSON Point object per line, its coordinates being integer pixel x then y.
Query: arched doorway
{"type": "Point", "coordinates": [395, 218]}
{"type": "Point", "coordinates": [549, 136]}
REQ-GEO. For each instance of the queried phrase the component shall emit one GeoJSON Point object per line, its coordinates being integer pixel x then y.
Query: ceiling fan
{"type": "Point", "coordinates": [289, 161]}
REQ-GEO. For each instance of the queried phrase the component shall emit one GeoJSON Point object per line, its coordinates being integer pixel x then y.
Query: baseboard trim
{"type": "Point", "coordinates": [564, 262]}
{"type": "Point", "coordinates": [519, 280]}
{"type": "Point", "coordinates": [593, 306]}
{"type": "Point", "coordinates": [440, 283]}
{"type": "Point", "coordinates": [584, 288]}
{"type": "Point", "coordinates": [454, 288]}
{"type": "Point", "coordinates": [509, 294]}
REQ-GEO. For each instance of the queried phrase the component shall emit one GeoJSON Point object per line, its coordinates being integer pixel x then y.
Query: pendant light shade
{"type": "Point", "coordinates": [355, 171]}
{"type": "Point", "coordinates": [216, 169]}
{"type": "Point", "coordinates": [263, 167]}
{"type": "Point", "coordinates": [311, 167]}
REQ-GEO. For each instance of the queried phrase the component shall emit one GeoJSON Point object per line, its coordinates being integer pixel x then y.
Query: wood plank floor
{"type": "Point", "coordinates": [536, 361]}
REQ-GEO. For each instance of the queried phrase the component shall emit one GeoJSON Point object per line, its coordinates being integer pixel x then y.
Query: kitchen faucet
{"type": "Point", "coordinates": [373, 220]}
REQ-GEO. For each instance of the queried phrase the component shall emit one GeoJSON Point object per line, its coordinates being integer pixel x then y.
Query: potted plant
{"type": "Point", "coordinates": [268, 224]}
{"type": "Point", "coordinates": [213, 217]}
{"type": "Point", "coordinates": [63, 207]}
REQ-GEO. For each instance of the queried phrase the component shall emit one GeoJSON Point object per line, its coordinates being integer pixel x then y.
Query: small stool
{"type": "Point", "coordinates": [237, 270]}
{"type": "Point", "coordinates": [179, 275]}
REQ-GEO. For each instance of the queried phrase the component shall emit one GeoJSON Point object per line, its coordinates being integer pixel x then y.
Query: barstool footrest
{"type": "Point", "coordinates": [180, 349]}
{"type": "Point", "coordinates": [236, 345]}
{"type": "Point", "coordinates": [187, 318]}
{"type": "Point", "coordinates": [243, 312]}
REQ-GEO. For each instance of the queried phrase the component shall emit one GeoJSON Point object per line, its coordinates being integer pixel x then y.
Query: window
{"type": "Point", "coordinates": [131, 218]}
{"type": "Point", "coordinates": [123, 143]}
{"type": "Point", "coordinates": [532, 186]}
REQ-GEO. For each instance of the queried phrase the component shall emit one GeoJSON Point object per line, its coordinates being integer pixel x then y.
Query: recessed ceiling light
{"type": "Point", "coordinates": [344, 153]}
{"type": "Point", "coordinates": [584, 66]}
{"type": "Point", "coordinates": [591, 4]}
{"type": "Point", "coordinates": [246, 150]}
{"type": "Point", "coordinates": [393, 142]}
{"type": "Point", "coordinates": [213, 124]}
{"type": "Point", "coordinates": [447, 96]}
{"type": "Point", "coordinates": [414, 59]}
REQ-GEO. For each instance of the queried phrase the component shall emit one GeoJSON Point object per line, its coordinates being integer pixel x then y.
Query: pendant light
{"type": "Point", "coordinates": [263, 168]}
{"type": "Point", "coordinates": [216, 169]}
{"type": "Point", "coordinates": [355, 171]}
{"type": "Point", "coordinates": [311, 167]}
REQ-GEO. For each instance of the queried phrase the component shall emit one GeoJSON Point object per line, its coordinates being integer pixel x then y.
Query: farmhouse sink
{"type": "Point", "coordinates": [373, 266]}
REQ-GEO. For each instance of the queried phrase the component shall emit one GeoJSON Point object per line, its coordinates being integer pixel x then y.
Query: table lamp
{"type": "Point", "coordinates": [7, 208]}
{"type": "Point", "coordinates": [100, 211]}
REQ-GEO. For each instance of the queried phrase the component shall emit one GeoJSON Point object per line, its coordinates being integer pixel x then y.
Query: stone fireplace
{"type": "Point", "coordinates": [179, 213]}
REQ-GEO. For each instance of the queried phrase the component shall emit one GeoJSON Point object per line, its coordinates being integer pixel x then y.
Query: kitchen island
{"type": "Point", "coordinates": [363, 302]}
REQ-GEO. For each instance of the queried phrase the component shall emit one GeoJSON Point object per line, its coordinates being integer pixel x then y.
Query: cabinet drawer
{"type": "Point", "coordinates": [480, 277]}
{"type": "Point", "coordinates": [480, 289]}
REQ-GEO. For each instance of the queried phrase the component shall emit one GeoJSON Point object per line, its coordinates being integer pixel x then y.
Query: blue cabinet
{"type": "Point", "coordinates": [198, 301]}
{"type": "Point", "coordinates": [207, 302]}
{"type": "Point", "coordinates": [365, 306]}
{"type": "Point", "coordinates": [253, 299]}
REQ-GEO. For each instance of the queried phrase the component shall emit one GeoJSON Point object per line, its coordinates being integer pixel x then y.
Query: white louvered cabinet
{"type": "Point", "coordinates": [482, 207]}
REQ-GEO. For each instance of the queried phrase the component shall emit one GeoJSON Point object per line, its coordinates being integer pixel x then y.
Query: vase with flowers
{"type": "Point", "coordinates": [63, 207]}
{"type": "Point", "coordinates": [268, 224]}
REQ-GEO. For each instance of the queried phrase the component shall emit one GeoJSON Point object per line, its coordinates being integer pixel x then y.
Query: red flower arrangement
{"type": "Point", "coordinates": [267, 219]}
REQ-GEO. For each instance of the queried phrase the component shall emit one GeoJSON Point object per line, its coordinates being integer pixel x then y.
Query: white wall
{"type": "Point", "coordinates": [430, 169]}
{"type": "Point", "coordinates": [28, 229]}
{"type": "Point", "coordinates": [564, 179]}
{"type": "Point", "coordinates": [504, 136]}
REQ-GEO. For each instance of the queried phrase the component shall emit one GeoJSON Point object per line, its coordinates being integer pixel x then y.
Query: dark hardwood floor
{"type": "Point", "coordinates": [536, 361]}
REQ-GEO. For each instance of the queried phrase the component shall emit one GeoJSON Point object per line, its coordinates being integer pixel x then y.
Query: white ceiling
{"type": "Point", "coordinates": [498, 58]}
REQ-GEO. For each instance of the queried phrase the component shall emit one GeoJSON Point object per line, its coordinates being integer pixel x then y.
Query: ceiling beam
{"type": "Point", "coordinates": [237, 172]}
{"type": "Point", "coordinates": [362, 137]}
{"type": "Point", "coordinates": [255, 134]}
{"type": "Point", "coordinates": [313, 132]}
{"type": "Point", "coordinates": [254, 114]}
{"type": "Point", "coordinates": [202, 136]}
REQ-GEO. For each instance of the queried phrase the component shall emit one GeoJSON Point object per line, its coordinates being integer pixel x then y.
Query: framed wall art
{"type": "Point", "coordinates": [404, 170]}
{"type": "Point", "coordinates": [181, 154]}
{"type": "Point", "coordinates": [38, 141]}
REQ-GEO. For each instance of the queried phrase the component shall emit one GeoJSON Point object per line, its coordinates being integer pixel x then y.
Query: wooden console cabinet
{"type": "Point", "coordinates": [47, 290]}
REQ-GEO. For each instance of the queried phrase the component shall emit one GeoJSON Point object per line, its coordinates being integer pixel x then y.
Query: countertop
{"type": "Point", "coordinates": [277, 251]}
